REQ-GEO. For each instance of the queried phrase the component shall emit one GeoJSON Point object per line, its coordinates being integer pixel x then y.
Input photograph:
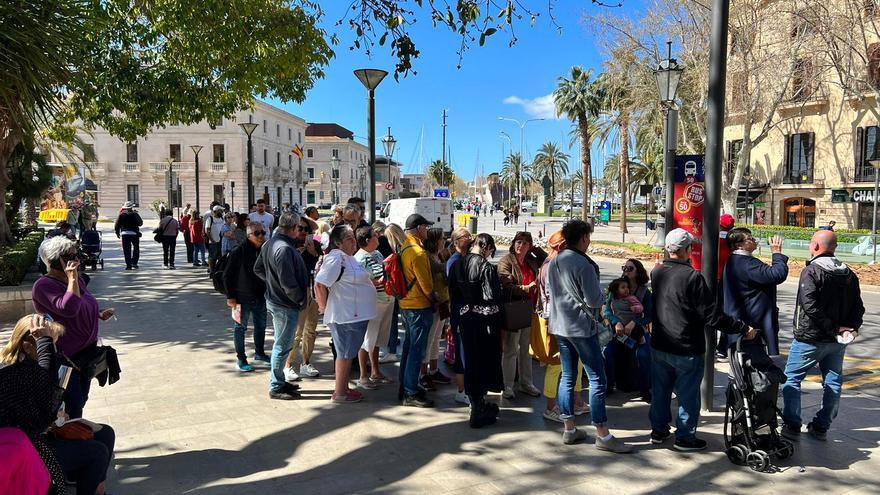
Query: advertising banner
{"type": "Point", "coordinates": [689, 196]}
{"type": "Point", "coordinates": [605, 212]}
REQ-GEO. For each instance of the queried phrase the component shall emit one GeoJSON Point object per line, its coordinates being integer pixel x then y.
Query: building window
{"type": "Point", "coordinates": [867, 150]}
{"type": "Point", "coordinates": [89, 153]}
{"type": "Point", "coordinates": [299, 137]}
{"type": "Point", "coordinates": [289, 134]}
{"type": "Point", "coordinates": [334, 153]}
{"type": "Point", "coordinates": [250, 118]}
{"type": "Point", "coordinates": [132, 193]}
{"type": "Point", "coordinates": [351, 174]}
{"type": "Point", "coordinates": [321, 194]}
{"type": "Point", "coordinates": [277, 130]}
{"type": "Point", "coordinates": [799, 150]}
{"type": "Point", "coordinates": [264, 126]}
{"type": "Point", "coordinates": [310, 197]}
{"type": "Point", "coordinates": [300, 160]}
{"type": "Point", "coordinates": [265, 157]}
{"type": "Point", "coordinates": [131, 152]}
{"type": "Point", "coordinates": [309, 153]}
{"type": "Point", "coordinates": [218, 193]}
{"type": "Point", "coordinates": [289, 161]}
{"type": "Point", "coordinates": [216, 123]}
{"type": "Point", "coordinates": [174, 152]}
{"type": "Point", "coordinates": [310, 172]}
{"type": "Point", "coordinates": [219, 155]}
{"type": "Point", "coordinates": [278, 159]}
{"type": "Point", "coordinates": [734, 148]}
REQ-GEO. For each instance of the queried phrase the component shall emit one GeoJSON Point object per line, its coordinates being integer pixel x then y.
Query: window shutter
{"type": "Point", "coordinates": [811, 152]}
{"type": "Point", "coordinates": [859, 151]}
{"type": "Point", "coordinates": [786, 159]}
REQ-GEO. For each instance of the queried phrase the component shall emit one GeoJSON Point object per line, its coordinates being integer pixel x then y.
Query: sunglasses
{"type": "Point", "coordinates": [627, 268]}
{"type": "Point", "coordinates": [260, 233]}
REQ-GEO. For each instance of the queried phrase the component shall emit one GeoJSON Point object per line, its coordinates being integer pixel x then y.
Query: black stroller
{"type": "Point", "coordinates": [91, 248]}
{"type": "Point", "coordinates": [750, 426]}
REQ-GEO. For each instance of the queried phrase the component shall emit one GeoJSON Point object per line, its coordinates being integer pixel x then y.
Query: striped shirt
{"type": "Point", "coordinates": [375, 266]}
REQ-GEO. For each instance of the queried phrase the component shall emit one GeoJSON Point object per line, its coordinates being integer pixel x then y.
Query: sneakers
{"type": "Point", "coordinates": [508, 393]}
{"type": "Point", "coordinates": [529, 389]}
{"type": "Point", "coordinates": [483, 414]}
{"type": "Point", "coordinates": [817, 433]}
{"type": "Point", "coordinates": [721, 358]}
{"type": "Point", "coordinates": [417, 401]}
{"type": "Point", "coordinates": [573, 437]}
{"type": "Point", "coordinates": [244, 367]}
{"type": "Point", "coordinates": [689, 445]}
{"type": "Point", "coordinates": [440, 378]}
{"type": "Point", "coordinates": [290, 375]}
{"type": "Point", "coordinates": [462, 398]}
{"type": "Point", "coordinates": [349, 397]}
{"type": "Point", "coordinates": [367, 384]}
{"type": "Point", "coordinates": [646, 396]}
{"type": "Point", "coordinates": [790, 432]}
{"type": "Point", "coordinates": [308, 370]}
{"type": "Point", "coordinates": [427, 383]}
{"type": "Point", "coordinates": [263, 358]}
{"type": "Point", "coordinates": [284, 394]}
{"type": "Point", "coordinates": [658, 437]}
{"type": "Point", "coordinates": [552, 415]}
{"type": "Point", "coordinates": [389, 358]}
{"type": "Point", "coordinates": [613, 445]}
{"type": "Point", "coordinates": [581, 409]}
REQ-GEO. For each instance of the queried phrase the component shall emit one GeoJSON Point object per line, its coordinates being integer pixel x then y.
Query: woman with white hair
{"type": "Point", "coordinates": [63, 294]}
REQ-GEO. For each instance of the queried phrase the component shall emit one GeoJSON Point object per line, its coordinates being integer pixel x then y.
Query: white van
{"type": "Point", "coordinates": [437, 210]}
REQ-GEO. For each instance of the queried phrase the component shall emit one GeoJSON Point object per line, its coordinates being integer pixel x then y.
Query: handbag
{"type": "Point", "coordinates": [157, 235]}
{"type": "Point", "coordinates": [518, 314]}
{"type": "Point", "coordinates": [91, 361]}
{"type": "Point", "coordinates": [73, 430]}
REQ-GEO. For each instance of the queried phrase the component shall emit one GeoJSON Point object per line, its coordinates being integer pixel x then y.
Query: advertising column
{"type": "Point", "coordinates": [688, 198]}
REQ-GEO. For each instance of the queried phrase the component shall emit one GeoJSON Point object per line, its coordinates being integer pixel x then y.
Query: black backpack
{"type": "Point", "coordinates": [217, 274]}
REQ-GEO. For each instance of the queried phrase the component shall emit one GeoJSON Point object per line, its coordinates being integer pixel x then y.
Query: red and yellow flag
{"type": "Point", "coordinates": [298, 151]}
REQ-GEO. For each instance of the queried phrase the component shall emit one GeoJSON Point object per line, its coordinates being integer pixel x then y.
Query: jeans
{"type": "Point", "coordinates": [394, 338]}
{"type": "Point", "coordinates": [588, 351]}
{"type": "Point", "coordinates": [802, 357]}
{"type": "Point", "coordinates": [169, 244]}
{"type": "Point", "coordinates": [131, 249]}
{"type": "Point", "coordinates": [284, 323]}
{"type": "Point", "coordinates": [682, 374]}
{"type": "Point", "coordinates": [199, 249]}
{"type": "Point", "coordinates": [417, 324]}
{"type": "Point", "coordinates": [85, 461]}
{"type": "Point", "coordinates": [258, 311]}
{"type": "Point", "coordinates": [643, 360]}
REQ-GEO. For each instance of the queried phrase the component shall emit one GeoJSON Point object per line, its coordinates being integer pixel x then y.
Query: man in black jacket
{"type": "Point", "coordinates": [128, 228]}
{"type": "Point", "coordinates": [827, 316]}
{"type": "Point", "coordinates": [683, 308]}
{"type": "Point", "coordinates": [248, 292]}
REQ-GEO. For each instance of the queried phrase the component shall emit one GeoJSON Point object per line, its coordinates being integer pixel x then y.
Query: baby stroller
{"type": "Point", "coordinates": [750, 426]}
{"type": "Point", "coordinates": [92, 249]}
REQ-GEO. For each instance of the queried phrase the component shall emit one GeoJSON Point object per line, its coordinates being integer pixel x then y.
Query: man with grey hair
{"type": "Point", "coordinates": [683, 308]}
{"type": "Point", "coordinates": [281, 267]}
{"type": "Point", "coordinates": [246, 294]}
{"type": "Point", "coordinates": [353, 216]}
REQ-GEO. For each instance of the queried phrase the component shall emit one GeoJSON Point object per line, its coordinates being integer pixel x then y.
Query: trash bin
{"type": "Point", "coordinates": [473, 224]}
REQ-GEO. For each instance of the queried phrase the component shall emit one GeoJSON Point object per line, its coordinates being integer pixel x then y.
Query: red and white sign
{"type": "Point", "coordinates": [389, 186]}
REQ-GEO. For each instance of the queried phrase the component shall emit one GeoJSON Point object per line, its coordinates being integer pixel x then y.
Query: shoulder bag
{"type": "Point", "coordinates": [604, 333]}
{"type": "Point", "coordinates": [517, 314]}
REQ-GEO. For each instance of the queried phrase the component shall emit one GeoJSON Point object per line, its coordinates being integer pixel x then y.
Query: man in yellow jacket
{"type": "Point", "coordinates": [416, 310]}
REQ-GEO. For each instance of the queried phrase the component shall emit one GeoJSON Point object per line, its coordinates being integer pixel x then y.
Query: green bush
{"type": "Point", "coordinates": [803, 233]}
{"type": "Point", "coordinates": [17, 258]}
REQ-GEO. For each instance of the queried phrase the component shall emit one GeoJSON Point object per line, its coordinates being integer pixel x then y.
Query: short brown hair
{"type": "Point", "coordinates": [521, 236]}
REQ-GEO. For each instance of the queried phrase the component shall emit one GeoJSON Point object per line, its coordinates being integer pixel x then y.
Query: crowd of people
{"type": "Point", "coordinates": [644, 333]}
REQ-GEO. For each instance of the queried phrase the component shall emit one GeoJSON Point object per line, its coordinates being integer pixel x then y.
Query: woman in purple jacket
{"type": "Point", "coordinates": [62, 294]}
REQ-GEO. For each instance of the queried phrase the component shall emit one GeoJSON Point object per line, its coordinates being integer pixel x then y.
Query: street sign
{"type": "Point", "coordinates": [605, 211]}
{"type": "Point", "coordinates": [441, 192]}
{"type": "Point", "coordinates": [658, 190]}
{"type": "Point", "coordinates": [389, 186]}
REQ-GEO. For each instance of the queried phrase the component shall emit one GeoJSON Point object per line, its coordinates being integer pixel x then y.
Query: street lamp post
{"type": "Point", "coordinates": [876, 165]}
{"type": "Point", "coordinates": [506, 136]}
{"type": "Point", "coordinates": [170, 184]}
{"type": "Point", "coordinates": [522, 156]}
{"type": "Point", "coordinates": [249, 128]}
{"type": "Point", "coordinates": [196, 149]}
{"type": "Point", "coordinates": [668, 75]}
{"type": "Point", "coordinates": [334, 178]}
{"type": "Point", "coordinates": [389, 143]}
{"type": "Point", "coordinates": [371, 78]}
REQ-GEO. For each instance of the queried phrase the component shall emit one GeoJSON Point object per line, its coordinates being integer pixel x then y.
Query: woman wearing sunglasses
{"type": "Point", "coordinates": [629, 368]}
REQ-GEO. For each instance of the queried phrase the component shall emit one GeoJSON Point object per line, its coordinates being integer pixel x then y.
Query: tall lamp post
{"type": "Point", "coordinates": [668, 75]}
{"type": "Point", "coordinates": [388, 142]}
{"type": "Point", "coordinates": [506, 136]}
{"type": "Point", "coordinates": [196, 149]}
{"type": "Point", "coordinates": [334, 178]}
{"type": "Point", "coordinates": [249, 128]}
{"type": "Point", "coordinates": [876, 165]}
{"type": "Point", "coordinates": [371, 78]}
{"type": "Point", "coordinates": [170, 184]}
{"type": "Point", "coordinates": [522, 156]}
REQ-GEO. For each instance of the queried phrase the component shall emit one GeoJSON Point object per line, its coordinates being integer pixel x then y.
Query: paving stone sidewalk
{"type": "Point", "coordinates": [188, 422]}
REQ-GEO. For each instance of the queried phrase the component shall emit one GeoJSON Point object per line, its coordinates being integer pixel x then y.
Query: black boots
{"type": "Point", "coordinates": [482, 413]}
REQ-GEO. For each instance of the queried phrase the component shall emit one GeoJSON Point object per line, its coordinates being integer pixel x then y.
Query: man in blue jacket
{"type": "Point", "coordinates": [749, 286]}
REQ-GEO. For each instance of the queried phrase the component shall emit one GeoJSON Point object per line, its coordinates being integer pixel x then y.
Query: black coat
{"type": "Point", "coordinates": [828, 298]}
{"type": "Point", "coordinates": [749, 290]}
{"type": "Point", "coordinates": [238, 277]}
{"type": "Point", "coordinates": [128, 220]}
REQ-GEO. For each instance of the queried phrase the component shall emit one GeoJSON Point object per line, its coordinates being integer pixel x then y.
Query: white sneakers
{"type": "Point", "coordinates": [462, 398]}
{"type": "Point", "coordinates": [388, 358]}
{"type": "Point", "coordinates": [308, 371]}
{"type": "Point", "coordinates": [508, 393]}
{"type": "Point", "coordinates": [290, 375]}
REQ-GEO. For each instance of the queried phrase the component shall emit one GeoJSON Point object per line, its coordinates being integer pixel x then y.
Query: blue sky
{"type": "Point", "coordinates": [494, 80]}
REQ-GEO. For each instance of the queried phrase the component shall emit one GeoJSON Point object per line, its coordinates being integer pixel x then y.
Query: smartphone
{"type": "Point", "coordinates": [64, 373]}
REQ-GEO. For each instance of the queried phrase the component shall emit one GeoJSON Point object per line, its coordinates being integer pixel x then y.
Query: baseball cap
{"type": "Point", "coordinates": [678, 239]}
{"type": "Point", "coordinates": [727, 222]}
{"type": "Point", "coordinates": [415, 220]}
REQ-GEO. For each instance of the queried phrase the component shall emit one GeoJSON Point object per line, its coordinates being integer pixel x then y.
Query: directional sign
{"type": "Point", "coordinates": [441, 192]}
{"type": "Point", "coordinates": [658, 190]}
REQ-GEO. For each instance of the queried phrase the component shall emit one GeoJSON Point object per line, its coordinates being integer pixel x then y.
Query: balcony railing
{"type": "Point", "coordinates": [218, 167]}
{"type": "Point", "coordinates": [813, 176]}
{"type": "Point", "coordinates": [96, 169]}
{"type": "Point", "coordinates": [131, 167]}
{"type": "Point", "coordinates": [864, 174]}
{"type": "Point", "coordinates": [162, 167]}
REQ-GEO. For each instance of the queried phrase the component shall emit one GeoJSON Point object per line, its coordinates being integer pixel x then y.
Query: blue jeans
{"type": "Point", "coordinates": [284, 322]}
{"type": "Point", "coordinates": [682, 374]}
{"type": "Point", "coordinates": [258, 311]}
{"type": "Point", "coordinates": [394, 338]}
{"type": "Point", "coordinates": [76, 395]}
{"type": "Point", "coordinates": [417, 323]}
{"type": "Point", "coordinates": [802, 357]}
{"type": "Point", "coordinates": [589, 352]}
{"type": "Point", "coordinates": [199, 249]}
{"type": "Point", "coordinates": [643, 359]}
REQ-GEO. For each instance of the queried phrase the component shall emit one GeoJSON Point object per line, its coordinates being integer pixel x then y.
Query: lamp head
{"type": "Point", "coordinates": [248, 127]}
{"type": "Point", "coordinates": [668, 75]}
{"type": "Point", "coordinates": [196, 148]}
{"type": "Point", "coordinates": [389, 143]}
{"type": "Point", "coordinates": [370, 78]}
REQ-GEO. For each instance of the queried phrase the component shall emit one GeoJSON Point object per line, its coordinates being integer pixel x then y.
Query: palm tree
{"type": "Point", "coordinates": [441, 173]}
{"type": "Point", "coordinates": [580, 99]}
{"type": "Point", "coordinates": [513, 170]}
{"type": "Point", "coordinates": [551, 162]}
{"type": "Point", "coordinates": [618, 108]}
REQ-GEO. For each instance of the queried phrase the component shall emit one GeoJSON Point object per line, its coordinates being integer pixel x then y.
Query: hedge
{"type": "Point", "coordinates": [17, 258]}
{"type": "Point", "coordinates": [803, 233]}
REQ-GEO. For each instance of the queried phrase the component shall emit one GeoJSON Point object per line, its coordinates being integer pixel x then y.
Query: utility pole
{"type": "Point", "coordinates": [443, 169]}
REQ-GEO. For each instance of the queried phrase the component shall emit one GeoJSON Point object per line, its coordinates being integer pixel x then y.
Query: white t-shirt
{"type": "Point", "coordinates": [266, 219]}
{"type": "Point", "coordinates": [213, 226]}
{"type": "Point", "coordinates": [353, 297]}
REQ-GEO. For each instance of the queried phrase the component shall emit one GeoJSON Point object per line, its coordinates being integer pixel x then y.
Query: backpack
{"type": "Point", "coordinates": [395, 281]}
{"type": "Point", "coordinates": [217, 274]}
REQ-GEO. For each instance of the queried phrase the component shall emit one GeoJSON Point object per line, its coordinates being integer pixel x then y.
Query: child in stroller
{"type": "Point", "coordinates": [91, 249]}
{"type": "Point", "coordinates": [750, 425]}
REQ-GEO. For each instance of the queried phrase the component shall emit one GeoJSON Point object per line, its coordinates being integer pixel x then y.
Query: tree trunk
{"type": "Point", "coordinates": [7, 144]}
{"type": "Point", "coordinates": [624, 173]}
{"type": "Point", "coordinates": [587, 168]}
{"type": "Point", "coordinates": [31, 216]}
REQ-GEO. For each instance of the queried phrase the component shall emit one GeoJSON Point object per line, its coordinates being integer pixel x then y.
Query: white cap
{"type": "Point", "coordinates": [678, 239]}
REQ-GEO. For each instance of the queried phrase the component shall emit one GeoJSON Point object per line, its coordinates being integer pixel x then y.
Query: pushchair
{"type": "Point", "coordinates": [92, 249]}
{"type": "Point", "coordinates": [750, 416]}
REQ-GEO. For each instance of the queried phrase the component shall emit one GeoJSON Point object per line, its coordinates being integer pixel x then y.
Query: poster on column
{"type": "Point", "coordinates": [688, 199]}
